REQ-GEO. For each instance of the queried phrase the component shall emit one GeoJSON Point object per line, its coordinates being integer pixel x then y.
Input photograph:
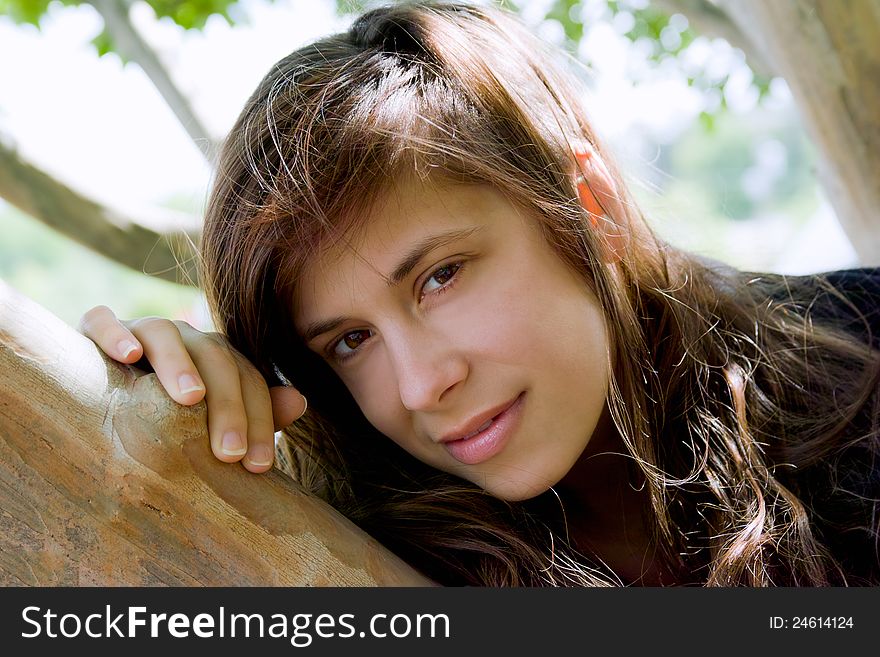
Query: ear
{"type": "Point", "coordinates": [599, 197]}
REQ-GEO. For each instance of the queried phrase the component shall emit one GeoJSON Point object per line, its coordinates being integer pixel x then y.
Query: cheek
{"type": "Point", "coordinates": [377, 394]}
{"type": "Point", "coordinates": [547, 335]}
{"type": "Point", "coordinates": [378, 397]}
{"type": "Point", "coordinates": [529, 320]}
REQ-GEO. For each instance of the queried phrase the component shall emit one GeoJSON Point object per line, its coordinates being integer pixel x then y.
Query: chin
{"type": "Point", "coordinates": [515, 491]}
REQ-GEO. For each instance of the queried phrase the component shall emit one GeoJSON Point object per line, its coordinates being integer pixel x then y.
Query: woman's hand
{"type": "Point", "coordinates": [243, 413]}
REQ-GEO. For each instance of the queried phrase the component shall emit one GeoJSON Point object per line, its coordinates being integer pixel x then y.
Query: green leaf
{"type": "Point", "coordinates": [562, 12]}
{"type": "Point", "coordinates": [191, 14]}
{"type": "Point", "coordinates": [707, 120]}
{"type": "Point", "coordinates": [24, 11]}
{"type": "Point", "coordinates": [103, 43]}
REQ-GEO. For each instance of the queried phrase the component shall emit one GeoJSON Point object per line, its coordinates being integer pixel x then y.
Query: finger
{"type": "Point", "coordinates": [101, 326]}
{"type": "Point", "coordinates": [227, 416]}
{"type": "Point", "coordinates": [260, 430]}
{"type": "Point", "coordinates": [288, 405]}
{"type": "Point", "coordinates": [164, 348]}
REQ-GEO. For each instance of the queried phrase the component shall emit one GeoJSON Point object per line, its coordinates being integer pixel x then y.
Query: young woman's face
{"type": "Point", "coordinates": [455, 317]}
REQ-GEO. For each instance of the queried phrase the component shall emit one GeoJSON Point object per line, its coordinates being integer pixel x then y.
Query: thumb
{"type": "Point", "coordinates": [288, 405]}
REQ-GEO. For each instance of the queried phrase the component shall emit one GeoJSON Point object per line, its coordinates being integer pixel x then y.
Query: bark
{"type": "Point", "coordinates": [104, 480]}
{"type": "Point", "coordinates": [169, 255]}
{"type": "Point", "coordinates": [828, 51]}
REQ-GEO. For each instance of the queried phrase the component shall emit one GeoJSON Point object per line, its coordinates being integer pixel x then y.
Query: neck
{"type": "Point", "coordinates": [606, 505]}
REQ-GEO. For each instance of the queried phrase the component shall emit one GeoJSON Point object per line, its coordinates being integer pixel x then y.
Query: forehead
{"type": "Point", "coordinates": [405, 215]}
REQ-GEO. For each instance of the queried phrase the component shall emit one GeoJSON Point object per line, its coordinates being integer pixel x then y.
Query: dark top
{"type": "Point", "coordinates": [861, 287]}
{"type": "Point", "coordinates": [852, 495]}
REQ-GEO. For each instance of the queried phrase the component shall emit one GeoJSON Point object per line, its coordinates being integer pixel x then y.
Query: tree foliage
{"type": "Point", "coordinates": [188, 14]}
{"type": "Point", "coordinates": [665, 34]}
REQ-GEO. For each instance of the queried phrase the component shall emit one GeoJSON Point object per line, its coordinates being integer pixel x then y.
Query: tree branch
{"type": "Point", "coordinates": [132, 46]}
{"type": "Point", "coordinates": [170, 256]}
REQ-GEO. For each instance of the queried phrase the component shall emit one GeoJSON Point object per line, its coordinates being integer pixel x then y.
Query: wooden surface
{"type": "Point", "coordinates": [104, 480]}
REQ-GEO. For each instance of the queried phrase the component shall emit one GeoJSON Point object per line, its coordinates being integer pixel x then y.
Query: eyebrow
{"type": "Point", "coordinates": [422, 248]}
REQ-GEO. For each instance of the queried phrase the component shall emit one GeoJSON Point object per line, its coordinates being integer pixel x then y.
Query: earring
{"type": "Point", "coordinates": [589, 201]}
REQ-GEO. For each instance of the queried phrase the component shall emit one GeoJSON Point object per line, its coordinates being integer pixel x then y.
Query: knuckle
{"type": "Point", "coordinates": [220, 345]}
{"type": "Point", "coordinates": [226, 407]}
{"type": "Point", "coordinates": [219, 355]}
{"type": "Point", "coordinates": [185, 327]}
{"type": "Point", "coordinates": [153, 324]}
{"type": "Point", "coordinates": [222, 342]}
{"type": "Point", "coordinates": [262, 426]}
{"type": "Point", "coordinates": [251, 376]}
{"type": "Point", "coordinates": [92, 316]}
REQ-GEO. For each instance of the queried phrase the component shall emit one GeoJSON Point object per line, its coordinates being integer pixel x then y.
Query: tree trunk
{"type": "Point", "coordinates": [104, 480]}
{"type": "Point", "coordinates": [829, 53]}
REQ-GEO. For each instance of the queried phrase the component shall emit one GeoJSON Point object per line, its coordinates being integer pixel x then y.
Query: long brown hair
{"type": "Point", "coordinates": [730, 400]}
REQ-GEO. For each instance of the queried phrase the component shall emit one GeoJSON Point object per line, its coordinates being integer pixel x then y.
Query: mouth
{"type": "Point", "coordinates": [489, 437]}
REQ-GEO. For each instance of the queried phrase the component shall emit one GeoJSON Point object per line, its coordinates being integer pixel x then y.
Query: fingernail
{"type": "Point", "coordinates": [125, 347]}
{"type": "Point", "coordinates": [262, 455]}
{"type": "Point", "coordinates": [232, 444]}
{"type": "Point", "coordinates": [305, 407]}
{"type": "Point", "coordinates": [188, 383]}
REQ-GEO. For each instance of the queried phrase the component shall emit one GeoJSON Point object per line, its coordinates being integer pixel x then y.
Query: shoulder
{"type": "Point", "coordinates": [860, 286]}
{"type": "Point", "coordinates": [846, 298]}
{"type": "Point", "coordinates": [843, 295]}
{"type": "Point", "coordinates": [845, 501]}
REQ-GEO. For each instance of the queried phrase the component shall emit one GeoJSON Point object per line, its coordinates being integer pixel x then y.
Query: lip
{"type": "Point", "coordinates": [488, 442]}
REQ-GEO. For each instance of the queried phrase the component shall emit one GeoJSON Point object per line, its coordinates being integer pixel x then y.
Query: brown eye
{"type": "Point", "coordinates": [349, 343]}
{"type": "Point", "coordinates": [445, 273]}
{"type": "Point", "coordinates": [442, 275]}
{"type": "Point", "coordinates": [353, 340]}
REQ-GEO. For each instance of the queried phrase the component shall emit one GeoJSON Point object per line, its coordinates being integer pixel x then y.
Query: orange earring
{"type": "Point", "coordinates": [585, 194]}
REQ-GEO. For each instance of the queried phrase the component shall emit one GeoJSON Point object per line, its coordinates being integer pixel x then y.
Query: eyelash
{"type": "Point", "coordinates": [443, 289]}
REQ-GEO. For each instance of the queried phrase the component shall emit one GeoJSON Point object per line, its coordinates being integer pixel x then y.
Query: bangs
{"type": "Point", "coordinates": [366, 133]}
{"type": "Point", "coordinates": [347, 117]}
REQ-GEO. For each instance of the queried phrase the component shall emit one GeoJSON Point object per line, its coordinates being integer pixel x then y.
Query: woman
{"type": "Point", "coordinates": [414, 225]}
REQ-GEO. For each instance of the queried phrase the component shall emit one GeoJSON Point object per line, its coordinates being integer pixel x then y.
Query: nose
{"type": "Point", "coordinates": [428, 367]}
